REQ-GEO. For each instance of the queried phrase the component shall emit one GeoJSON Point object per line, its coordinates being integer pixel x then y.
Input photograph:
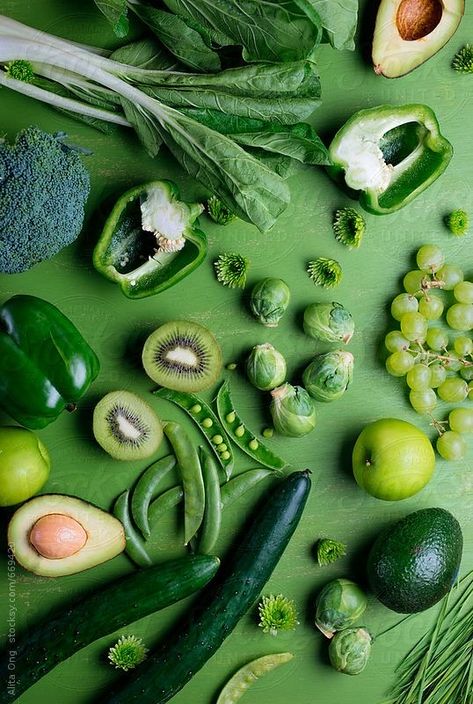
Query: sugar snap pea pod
{"type": "Point", "coordinates": [241, 436]}
{"type": "Point", "coordinates": [242, 483]}
{"type": "Point", "coordinates": [249, 673]}
{"type": "Point", "coordinates": [209, 424]}
{"type": "Point", "coordinates": [135, 545]}
{"type": "Point", "coordinates": [210, 528]}
{"type": "Point", "coordinates": [168, 499]}
{"type": "Point", "coordinates": [145, 488]}
{"type": "Point", "coordinates": [191, 475]}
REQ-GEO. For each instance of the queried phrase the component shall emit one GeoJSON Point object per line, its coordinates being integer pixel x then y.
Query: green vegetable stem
{"type": "Point", "coordinates": [277, 613]}
{"type": "Point", "coordinates": [127, 653]}
{"type": "Point", "coordinates": [219, 212]}
{"type": "Point", "coordinates": [191, 475]}
{"type": "Point", "coordinates": [208, 423]}
{"type": "Point", "coordinates": [240, 435]}
{"type": "Point", "coordinates": [231, 270]}
{"type": "Point", "coordinates": [145, 488]}
{"type": "Point", "coordinates": [324, 272]}
{"type": "Point", "coordinates": [328, 551]}
{"type": "Point", "coordinates": [46, 366]}
{"type": "Point", "coordinates": [348, 227]}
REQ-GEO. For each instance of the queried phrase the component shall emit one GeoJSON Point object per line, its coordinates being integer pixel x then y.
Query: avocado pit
{"type": "Point", "coordinates": [57, 536]}
{"type": "Point", "coordinates": [416, 19]}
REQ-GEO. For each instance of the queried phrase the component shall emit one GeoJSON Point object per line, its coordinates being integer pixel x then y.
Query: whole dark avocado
{"type": "Point", "coordinates": [413, 563]}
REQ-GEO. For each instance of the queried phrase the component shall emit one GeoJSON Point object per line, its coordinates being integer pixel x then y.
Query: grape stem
{"type": "Point", "coordinates": [439, 425]}
{"type": "Point", "coordinates": [427, 356]}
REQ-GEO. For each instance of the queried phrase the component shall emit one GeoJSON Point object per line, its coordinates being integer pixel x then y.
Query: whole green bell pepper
{"type": "Point", "coordinates": [45, 363]}
{"type": "Point", "coordinates": [149, 241]}
{"type": "Point", "coordinates": [387, 155]}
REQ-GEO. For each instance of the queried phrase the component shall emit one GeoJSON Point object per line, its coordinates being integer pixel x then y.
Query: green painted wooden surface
{"type": "Point", "coordinates": [116, 326]}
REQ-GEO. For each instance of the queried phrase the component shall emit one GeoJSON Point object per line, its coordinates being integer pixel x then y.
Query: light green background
{"type": "Point", "coordinates": [116, 326]}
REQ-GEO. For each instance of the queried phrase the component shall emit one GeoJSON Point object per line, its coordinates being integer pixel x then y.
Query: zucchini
{"type": "Point", "coordinates": [142, 593]}
{"type": "Point", "coordinates": [222, 604]}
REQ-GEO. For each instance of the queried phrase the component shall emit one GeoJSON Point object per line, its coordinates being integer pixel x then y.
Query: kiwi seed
{"type": "Point", "coordinates": [126, 427]}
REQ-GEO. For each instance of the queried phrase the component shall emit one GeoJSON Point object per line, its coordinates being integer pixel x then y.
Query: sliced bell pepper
{"type": "Point", "coordinates": [149, 241]}
{"type": "Point", "coordinates": [386, 156]}
{"type": "Point", "coordinates": [45, 363]}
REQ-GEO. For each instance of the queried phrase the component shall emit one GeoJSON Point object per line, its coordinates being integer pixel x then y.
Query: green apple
{"type": "Point", "coordinates": [24, 465]}
{"type": "Point", "coordinates": [392, 459]}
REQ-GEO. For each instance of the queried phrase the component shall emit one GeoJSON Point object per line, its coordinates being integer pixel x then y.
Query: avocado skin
{"type": "Point", "coordinates": [413, 563]}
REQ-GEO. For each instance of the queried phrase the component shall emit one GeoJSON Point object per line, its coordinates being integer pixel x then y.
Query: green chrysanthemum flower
{"type": "Point", "coordinates": [348, 226]}
{"type": "Point", "coordinates": [127, 653]}
{"type": "Point", "coordinates": [231, 270]}
{"type": "Point", "coordinates": [20, 70]}
{"type": "Point", "coordinates": [219, 212]}
{"type": "Point", "coordinates": [463, 59]}
{"type": "Point", "coordinates": [277, 613]}
{"type": "Point", "coordinates": [328, 551]}
{"type": "Point", "coordinates": [457, 222]}
{"type": "Point", "coordinates": [325, 272]}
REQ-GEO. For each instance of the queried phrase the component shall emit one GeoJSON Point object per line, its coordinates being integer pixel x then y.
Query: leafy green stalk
{"type": "Point", "coordinates": [463, 60]}
{"type": "Point", "coordinates": [231, 270]}
{"type": "Point", "coordinates": [277, 613]}
{"type": "Point", "coordinates": [324, 272]}
{"type": "Point", "coordinates": [328, 551]}
{"type": "Point", "coordinates": [127, 653]}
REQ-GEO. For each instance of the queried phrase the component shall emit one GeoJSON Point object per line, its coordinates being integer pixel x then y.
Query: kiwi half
{"type": "Point", "coordinates": [183, 356]}
{"type": "Point", "coordinates": [126, 427]}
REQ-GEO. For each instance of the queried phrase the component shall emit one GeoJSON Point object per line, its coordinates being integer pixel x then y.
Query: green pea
{"type": "Point", "coordinates": [191, 475]}
{"type": "Point", "coordinates": [222, 447]}
{"type": "Point", "coordinates": [225, 455]}
{"type": "Point", "coordinates": [249, 673]}
{"type": "Point", "coordinates": [135, 545]}
{"type": "Point", "coordinates": [241, 435]}
{"type": "Point", "coordinates": [201, 413]}
{"type": "Point", "coordinates": [144, 490]}
{"type": "Point", "coordinates": [217, 440]}
{"type": "Point", "coordinates": [268, 433]}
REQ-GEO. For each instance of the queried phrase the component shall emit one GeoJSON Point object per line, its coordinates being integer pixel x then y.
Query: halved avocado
{"type": "Point", "coordinates": [408, 32]}
{"type": "Point", "coordinates": [55, 535]}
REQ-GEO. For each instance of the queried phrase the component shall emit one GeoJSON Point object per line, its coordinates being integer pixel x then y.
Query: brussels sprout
{"type": "Point", "coordinates": [328, 322]}
{"type": "Point", "coordinates": [292, 410]}
{"type": "Point", "coordinates": [266, 367]}
{"type": "Point", "coordinates": [269, 300]}
{"type": "Point", "coordinates": [327, 377]}
{"type": "Point", "coordinates": [349, 650]}
{"type": "Point", "coordinates": [339, 604]}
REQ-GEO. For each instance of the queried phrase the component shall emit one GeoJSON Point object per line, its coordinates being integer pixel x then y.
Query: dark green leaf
{"type": "Point", "coordinates": [267, 31]}
{"type": "Point", "coordinates": [144, 125]}
{"type": "Point", "coordinates": [244, 184]}
{"type": "Point", "coordinates": [183, 41]}
{"type": "Point", "coordinates": [116, 13]}
{"type": "Point", "coordinates": [339, 19]}
{"type": "Point", "coordinates": [298, 141]}
{"type": "Point", "coordinates": [145, 53]}
{"type": "Point", "coordinates": [284, 93]}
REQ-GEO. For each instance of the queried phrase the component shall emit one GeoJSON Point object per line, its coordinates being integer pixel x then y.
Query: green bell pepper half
{"type": "Point", "coordinates": [45, 363]}
{"type": "Point", "coordinates": [127, 254]}
{"type": "Point", "coordinates": [386, 156]}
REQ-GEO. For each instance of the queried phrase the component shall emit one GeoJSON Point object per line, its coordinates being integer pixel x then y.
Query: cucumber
{"type": "Point", "coordinates": [223, 602]}
{"type": "Point", "coordinates": [58, 637]}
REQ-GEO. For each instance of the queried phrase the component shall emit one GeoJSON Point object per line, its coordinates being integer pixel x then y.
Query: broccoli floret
{"type": "Point", "coordinates": [43, 189]}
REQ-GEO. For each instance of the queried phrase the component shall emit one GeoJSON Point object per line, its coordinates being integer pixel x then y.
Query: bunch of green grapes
{"type": "Point", "coordinates": [433, 347]}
